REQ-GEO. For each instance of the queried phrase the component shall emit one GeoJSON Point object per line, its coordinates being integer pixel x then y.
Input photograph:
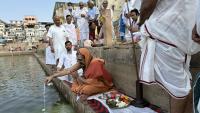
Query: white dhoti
{"type": "Point", "coordinates": [166, 65]}
{"type": "Point", "coordinates": [50, 57]}
{"type": "Point", "coordinates": [59, 51]}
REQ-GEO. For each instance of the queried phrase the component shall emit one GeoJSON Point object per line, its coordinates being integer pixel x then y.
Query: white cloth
{"type": "Point", "coordinates": [172, 22]}
{"type": "Point", "coordinates": [59, 37]}
{"type": "Point", "coordinates": [68, 60]}
{"type": "Point", "coordinates": [82, 23]}
{"type": "Point", "coordinates": [88, 43]}
{"type": "Point", "coordinates": [172, 19]}
{"type": "Point", "coordinates": [71, 31]}
{"type": "Point", "coordinates": [49, 56]}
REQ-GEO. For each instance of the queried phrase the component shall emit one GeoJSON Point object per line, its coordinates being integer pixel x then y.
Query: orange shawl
{"type": "Point", "coordinates": [94, 67]}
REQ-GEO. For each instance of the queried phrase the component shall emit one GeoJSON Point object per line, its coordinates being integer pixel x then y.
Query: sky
{"type": "Point", "coordinates": [17, 9]}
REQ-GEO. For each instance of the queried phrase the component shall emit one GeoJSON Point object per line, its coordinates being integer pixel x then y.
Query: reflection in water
{"type": "Point", "coordinates": [21, 88]}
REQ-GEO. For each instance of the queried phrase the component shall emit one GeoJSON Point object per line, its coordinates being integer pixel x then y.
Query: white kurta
{"type": "Point", "coordinates": [68, 60]}
{"type": "Point", "coordinates": [171, 22]}
{"type": "Point", "coordinates": [71, 31]}
{"type": "Point", "coordinates": [82, 23]}
{"type": "Point", "coordinates": [59, 37]}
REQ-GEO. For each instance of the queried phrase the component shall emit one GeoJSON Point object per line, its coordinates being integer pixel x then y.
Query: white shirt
{"type": "Point", "coordinates": [82, 22]}
{"type": "Point", "coordinates": [92, 12]}
{"type": "Point", "coordinates": [172, 21]}
{"type": "Point", "coordinates": [71, 31]}
{"type": "Point", "coordinates": [59, 37]}
{"type": "Point", "coordinates": [67, 59]}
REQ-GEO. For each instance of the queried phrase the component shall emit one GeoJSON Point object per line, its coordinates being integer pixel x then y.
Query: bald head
{"type": "Point", "coordinates": [56, 20]}
{"type": "Point", "coordinates": [90, 4]}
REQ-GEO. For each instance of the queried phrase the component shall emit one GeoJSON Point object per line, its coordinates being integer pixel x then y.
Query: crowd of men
{"type": "Point", "coordinates": [167, 31]}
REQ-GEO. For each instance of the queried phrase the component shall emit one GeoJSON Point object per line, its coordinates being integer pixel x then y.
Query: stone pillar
{"type": "Point", "coordinates": [107, 26]}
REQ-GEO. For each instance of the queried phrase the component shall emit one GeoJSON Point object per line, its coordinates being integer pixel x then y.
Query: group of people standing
{"type": "Point", "coordinates": [80, 26]}
{"type": "Point", "coordinates": [86, 20]}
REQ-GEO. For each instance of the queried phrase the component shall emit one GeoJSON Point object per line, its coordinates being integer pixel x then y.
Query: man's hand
{"type": "Point", "coordinates": [48, 79]}
{"type": "Point", "coordinates": [195, 35]}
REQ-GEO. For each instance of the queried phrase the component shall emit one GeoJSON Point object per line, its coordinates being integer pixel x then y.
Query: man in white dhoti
{"type": "Point", "coordinates": [167, 47]}
{"type": "Point", "coordinates": [58, 36]}
{"type": "Point", "coordinates": [82, 22]}
{"type": "Point", "coordinates": [71, 30]}
{"type": "Point", "coordinates": [67, 60]}
{"type": "Point", "coordinates": [49, 56]}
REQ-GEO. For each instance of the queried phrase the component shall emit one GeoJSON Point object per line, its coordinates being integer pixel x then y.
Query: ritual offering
{"type": "Point", "coordinates": [115, 100]}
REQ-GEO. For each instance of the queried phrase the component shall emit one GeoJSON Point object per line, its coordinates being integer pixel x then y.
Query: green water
{"type": "Point", "coordinates": [21, 88]}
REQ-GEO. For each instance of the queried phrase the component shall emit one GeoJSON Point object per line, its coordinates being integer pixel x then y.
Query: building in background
{"type": "Point", "coordinates": [16, 30]}
{"type": "Point", "coordinates": [40, 30]}
{"type": "Point", "coordinates": [2, 27]}
{"type": "Point", "coordinates": [29, 21]}
{"type": "Point", "coordinates": [59, 10]}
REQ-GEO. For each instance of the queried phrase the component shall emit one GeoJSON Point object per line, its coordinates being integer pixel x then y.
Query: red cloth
{"type": "Point", "coordinates": [96, 69]}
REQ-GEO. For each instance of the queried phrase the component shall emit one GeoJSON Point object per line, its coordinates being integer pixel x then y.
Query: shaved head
{"type": "Point", "coordinates": [56, 20]}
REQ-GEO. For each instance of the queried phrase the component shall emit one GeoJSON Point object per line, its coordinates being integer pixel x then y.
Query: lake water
{"type": "Point", "coordinates": [21, 88]}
